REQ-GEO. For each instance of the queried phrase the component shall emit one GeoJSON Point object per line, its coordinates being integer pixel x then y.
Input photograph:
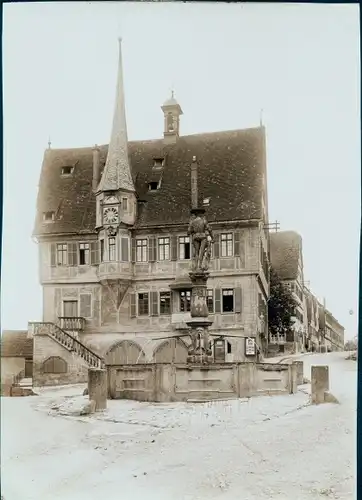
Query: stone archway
{"type": "Point", "coordinates": [171, 351]}
{"type": "Point", "coordinates": [125, 352]}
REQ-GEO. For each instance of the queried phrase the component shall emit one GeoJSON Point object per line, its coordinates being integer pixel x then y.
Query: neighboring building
{"type": "Point", "coordinates": [331, 332]}
{"type": "Point", "coordinates": [313, 333]}
{"type": "Point", "coordinates": [286, 256]}
{"type": "Point", "coordinates": [16, 356]}
{"type": "Point", "coordinates": [114, 253]}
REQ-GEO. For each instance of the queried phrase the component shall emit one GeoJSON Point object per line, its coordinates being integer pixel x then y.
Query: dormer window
{"type": "Point", "coordinates": [153, 186]}
{"type": "Point", "coordinates": [67, 170]}
{"type": "Point", "coordinates": [206, 202]}
{"type": "Point", "coordinates": [48, 216]}
{"type": "Point", "coordinates": [158, 163]}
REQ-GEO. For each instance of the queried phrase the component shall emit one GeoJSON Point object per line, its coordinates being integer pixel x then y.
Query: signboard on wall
{"type": "Point", "coordinates": [250, 347]}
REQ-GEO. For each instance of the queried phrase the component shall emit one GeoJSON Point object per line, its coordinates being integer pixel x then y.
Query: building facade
{"type": "Point", "coordinates": [331, 332]}
{"type": "Point", "coordinates": [114, 251]}
{"type": "Point", "coordinates": [286, 255]}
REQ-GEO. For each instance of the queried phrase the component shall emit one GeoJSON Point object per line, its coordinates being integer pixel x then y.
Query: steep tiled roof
{"type": "Point", "coordinates": [14, 343]}
{"type": "Point", "coordinates": [285, 248]}
{"type": "Point", "coordinates": [230, 173]}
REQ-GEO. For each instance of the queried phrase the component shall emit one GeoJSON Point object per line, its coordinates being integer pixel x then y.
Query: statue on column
{"type": "Point", "coordinates": [201, 238]}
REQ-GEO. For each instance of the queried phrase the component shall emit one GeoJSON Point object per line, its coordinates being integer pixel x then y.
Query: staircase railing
{"type": "Point", "coordinates": [68, 341]}
{"type": "Point", "coordinates": [71, 323]}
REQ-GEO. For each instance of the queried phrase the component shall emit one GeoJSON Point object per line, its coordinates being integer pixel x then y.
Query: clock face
{"type": "Point", "coordinates": [110, 215]}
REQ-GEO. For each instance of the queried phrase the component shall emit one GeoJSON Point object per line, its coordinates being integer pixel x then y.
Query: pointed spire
{"type": "Point", "coordinates": [117, 170]}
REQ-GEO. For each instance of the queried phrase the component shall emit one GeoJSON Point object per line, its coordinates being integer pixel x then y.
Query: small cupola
{"type": "Point", "coordinates": [172, 112]}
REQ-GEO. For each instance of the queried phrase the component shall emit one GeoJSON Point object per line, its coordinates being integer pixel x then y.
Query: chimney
{"type": "Point", "coordinates": [194, 189]}
{"type": "Point", "coordinates": [96, 162]}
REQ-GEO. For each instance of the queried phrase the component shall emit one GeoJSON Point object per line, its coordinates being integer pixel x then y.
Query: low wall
{"type": "Point", "coordinates": [162, 382]}
{"type": "Point", "coordinates": [10, 368]}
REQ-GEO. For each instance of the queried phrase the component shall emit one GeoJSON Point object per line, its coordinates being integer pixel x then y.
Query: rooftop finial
{"type": "Point", "coordinates": [261, 117]}
{"type": "Point", "coordinates": [49, 143]}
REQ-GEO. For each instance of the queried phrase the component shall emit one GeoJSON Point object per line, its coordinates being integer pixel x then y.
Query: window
{"type": "Point", "coordinates": [228, 347]}
{"type": "Point", "coordinates": [70, 308]}
{"type": "Point", "coordinates": [84, 254]}
{"type": "Point", "coordinates": [125, 204]}
{"type": "Point", "coordinates": [102, 250]}
{"type": "Point", "coordinates": [48, 216]}
{"type": "Point", "coordinates": [141, 250]}
{"type": "Point", "coordinates": [226, 245]}
{"type": "Point", "coordinates": [228, 300]}
{"type": "Point", "coordinates": [158, 163]}
{"type": "Point", "coordinates": [112, 248]}
{"type": "Point", "coordinates": [68, 170]}
{"type": "Point", "coordinates": [55, 365]}
{"type": "Point", "coordinates": [62, 254]}
{"type": "Point", "coordinates": [164, 248]}
{"type": "Point", "coordinates": [184, 246]}
{"type": "Point", "coordinates": [185, 300]}
{"type": "Point", "coordinates": [165, 302]}
{"type": "Point", "coordinates": [153, 186]}
{"type": "Point", "coordinates": [210, 300]}
{"type": "Point", "coordinates": [143, 304]}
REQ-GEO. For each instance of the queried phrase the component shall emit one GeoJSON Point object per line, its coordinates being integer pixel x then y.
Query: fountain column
{"type": "Point", "coordinates": [201, 238]}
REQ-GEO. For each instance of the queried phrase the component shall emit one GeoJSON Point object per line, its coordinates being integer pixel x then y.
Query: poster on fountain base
{"type": "Point", "coordinates": [250, 347]}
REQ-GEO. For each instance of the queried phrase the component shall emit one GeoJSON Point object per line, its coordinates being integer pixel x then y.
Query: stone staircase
{"type": "Point", "coordinates": [68, 341]}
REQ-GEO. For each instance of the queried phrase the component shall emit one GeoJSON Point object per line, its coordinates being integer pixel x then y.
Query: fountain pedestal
{"type": "Point", "coordinates": [199, 351]}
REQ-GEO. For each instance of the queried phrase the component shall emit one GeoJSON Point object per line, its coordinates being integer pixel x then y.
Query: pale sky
{"type": "Point", "coordinates": [226, 62]}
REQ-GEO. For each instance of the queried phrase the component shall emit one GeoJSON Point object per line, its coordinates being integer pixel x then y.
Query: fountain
{"type": "Point", "coordinates": [201, 238]}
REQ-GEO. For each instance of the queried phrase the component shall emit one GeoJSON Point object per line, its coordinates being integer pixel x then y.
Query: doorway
{"type": "Point", "coordinates": [28, 368]}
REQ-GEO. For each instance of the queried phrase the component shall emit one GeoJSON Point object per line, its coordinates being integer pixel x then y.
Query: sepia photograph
{"type": "Point", "coordinates": [180, 250]}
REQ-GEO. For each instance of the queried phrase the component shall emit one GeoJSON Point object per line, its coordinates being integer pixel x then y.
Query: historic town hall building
{"type": "Point", "coordinates": [114, 253]}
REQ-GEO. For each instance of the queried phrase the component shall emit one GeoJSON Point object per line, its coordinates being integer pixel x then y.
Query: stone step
{"type": "Point", "coordinates": [26, 382]}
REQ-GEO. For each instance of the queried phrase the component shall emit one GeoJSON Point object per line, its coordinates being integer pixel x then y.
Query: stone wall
{"type": "Point", "coordinates": [46, 347]}
{"type": "Point", "coordinates": [10, 368]}
{"type": "Point", "coordinates": [174, 382]}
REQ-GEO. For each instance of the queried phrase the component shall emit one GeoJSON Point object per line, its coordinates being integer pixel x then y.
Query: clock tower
{"type": "Point", "coordinates": [116, 198]}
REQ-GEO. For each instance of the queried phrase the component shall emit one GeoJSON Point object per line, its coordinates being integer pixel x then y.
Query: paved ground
{"type": "Point", "coordinates": [264, 448]}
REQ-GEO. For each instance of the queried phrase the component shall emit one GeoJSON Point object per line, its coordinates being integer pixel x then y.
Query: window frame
{"type": "Point", "coordinates": [164, 292]}
{"type": "Point", "coordinates": [227, 243]}
{"type": "Point", "coordinates": [124, 204]}
{"type": "Point", "coordinates": [142, 248]}
{"type": "Point", "coordinates": [185, 300]}
{"type": "Point", "coordinates": [223, 294]}
{"type": "Point", "coordinates": [67, 301]}
{"type": "Point", "coordinates": [88, 249]}
{"type": "Point", "coordinates": [62, 251]}
{"type": "Point", "coordinates": [208, 294]}
{"type": "Point", "coordinates": [164, 246]}
{"type": "Point", "coordinates": [143, 313]}
{"type": "Point", "coordinates": [182, 245]}
{"type": "Point", "coordinates": [114, 248]}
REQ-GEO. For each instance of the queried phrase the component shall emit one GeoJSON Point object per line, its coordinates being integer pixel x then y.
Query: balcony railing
{"type": "Point", "coordinates": [277, 339]}
{"type": "Point", "coordinates": [71, 323]}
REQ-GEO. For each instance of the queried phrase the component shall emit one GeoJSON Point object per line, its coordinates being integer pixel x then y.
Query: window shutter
{"type": "Point", "coordinates": [237, 298]}
{"type": "Point", "coordinates": [133, 245]}
{"type": "Point", "coordinates": [217, 303]}
{"type": "Point", "coordinates": [154, 303]}
{"type": "Point", "coordinates": [171, 301]}
{"type": "Point", "coordinates": [152, 249]}
{"type": "Point", "coordinates": [94, 253]}
{"type": "Point", "coordinates": [132, 305]}
{"type": "Point", "coordinates": [242, 249]}
{"type": "Point", "coordinates": [124, 250]}
{"type": "Point", "coordinates": [237, 243]}
{"type": "Point", "coordinates": [72, 254]}
{"type": "Point", "coordinates": [173, 247]}
{"type": "Point", "coordinates": [217, 246]}
{"type": "Point", "coordinates": [85, 305]}
{"type": "Point", "coordinates": [53, 254]}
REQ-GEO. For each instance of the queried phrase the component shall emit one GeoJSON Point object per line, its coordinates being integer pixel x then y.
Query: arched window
{"type": "Point", "coordinates": [55, 364]}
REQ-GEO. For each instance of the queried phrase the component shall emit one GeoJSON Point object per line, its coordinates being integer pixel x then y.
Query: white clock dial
{"type": "Point", "coordinates": [110, 215]}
